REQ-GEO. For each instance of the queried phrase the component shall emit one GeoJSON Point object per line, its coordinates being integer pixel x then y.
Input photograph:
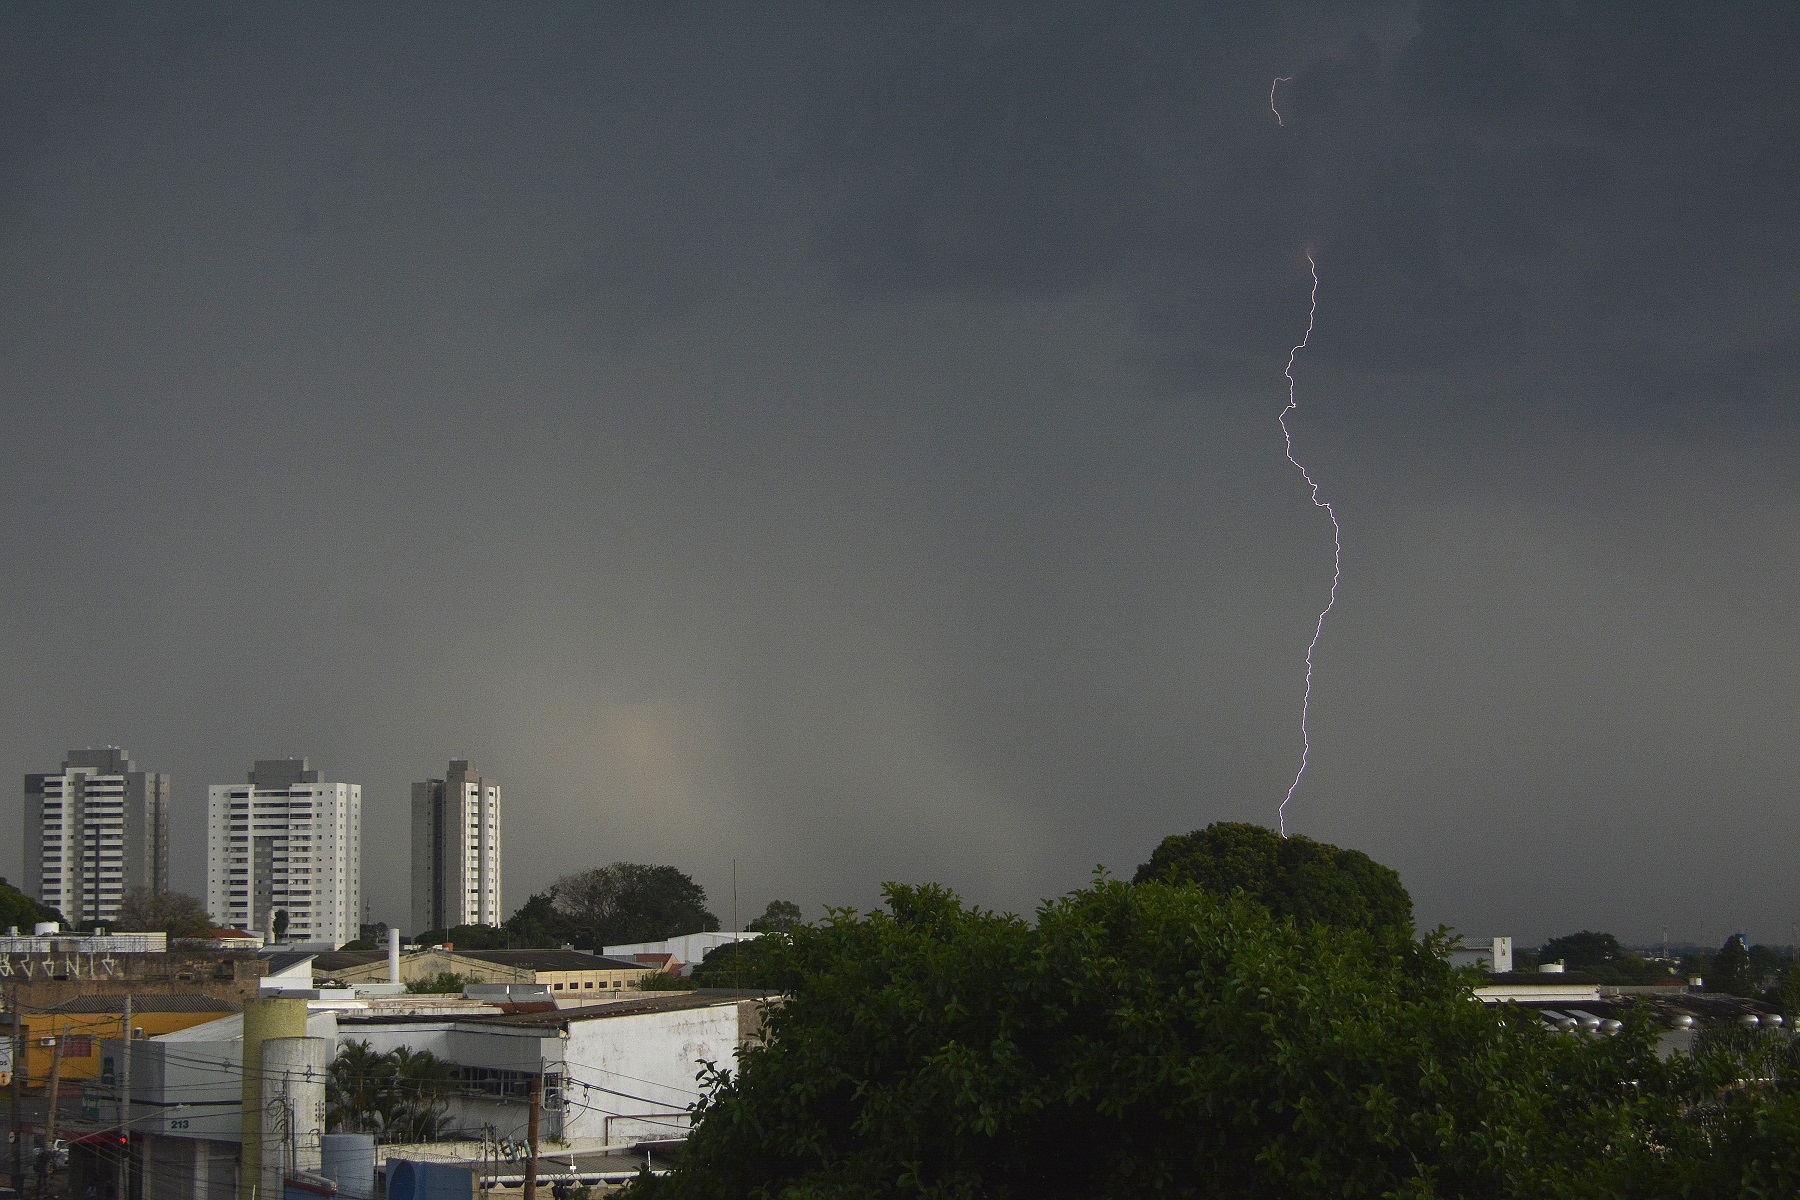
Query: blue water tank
{"type": "Point", "coordinates": [409, 1179]}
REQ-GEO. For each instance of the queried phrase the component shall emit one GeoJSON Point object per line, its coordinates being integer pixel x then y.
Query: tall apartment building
{"type": "Point", "coordinates": [286, 841]}
{"type": "Point", "coordinates": [93, 832]}
{"type": "Point", "coordinates": [456, 850]}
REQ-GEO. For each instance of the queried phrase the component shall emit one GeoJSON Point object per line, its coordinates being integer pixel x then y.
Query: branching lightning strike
{"type": "Point", "coordinates": [1337, 533]}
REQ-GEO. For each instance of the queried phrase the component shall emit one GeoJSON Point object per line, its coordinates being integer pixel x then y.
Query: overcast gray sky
{"type": "Point", "coordinates": [843, 438]}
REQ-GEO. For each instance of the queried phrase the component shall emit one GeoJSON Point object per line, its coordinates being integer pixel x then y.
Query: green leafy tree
{"type": "Point", "coordinates": [1312, 882]}
{"type": "Point", "coordinates": [1787, 993]}
{"type": "Point", "coordinates": [400, 1096]}
{"type": "Point", "coordinates": [443, 983]}
{"type": "Point", "coordinates": [18, 909]}
{"type": "Point", "coordinates": [628, 902]}
{"type": "Point", "coordinates": [354, 1086]}
{"type": "Point", "coordinates": [1600, 958]}
{"type": "Point", "coordinates": [1149, 1040]}
{"type": "Point", "coordinates": [779, 917]}
{"type": "Point", "coordinates": [1724, 1123]}
{"type": "Point", "coordinates": [531, 926]}
{"type": "Point", "coordinates": [1764, 968]}
{"type": "Point", "coordinates": [471, 937]}
{"type": "Point", "coordinates": [477, 937]}
{"type": "Point", "coordinates": [753, 963]}
{"type": "Point", "coordinates": [420, 1086]}
{"type": "Point", "coordinates": [174, 913]}
{"type": "Point", "coordinates": [1730, 968]}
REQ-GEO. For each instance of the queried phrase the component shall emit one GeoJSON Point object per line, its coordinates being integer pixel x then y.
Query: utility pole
{"type": "Point", "coordinates": [531, 1133]}
{"type": "Point", "coordinates": [125, 1109]}
{"type": "Point", "coordinates": [18, 1083]}
{"type": "Point", "coordinates": [737, 960]}
{"type": "Point", "coordinates": [47, 1162]}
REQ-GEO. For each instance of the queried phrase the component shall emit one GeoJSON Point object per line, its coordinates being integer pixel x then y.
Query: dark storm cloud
{"type": "Point", "coordinates": [1508, 183]}
{"type": "Point", "coordinates": [842, 439]}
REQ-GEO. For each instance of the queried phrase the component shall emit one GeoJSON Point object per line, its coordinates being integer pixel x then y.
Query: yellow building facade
{"type": "Point", "coordinates": [80, 1024]}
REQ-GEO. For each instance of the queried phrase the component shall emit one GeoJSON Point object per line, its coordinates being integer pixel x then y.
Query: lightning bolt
{"type": "Point", "coordinates": [1337, 534]}
{"type": "Point", "coordinates": [1279, 79]}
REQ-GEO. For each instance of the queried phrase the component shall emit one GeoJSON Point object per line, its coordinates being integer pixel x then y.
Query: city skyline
{"type": "Point", "coordinates": [404, 912]}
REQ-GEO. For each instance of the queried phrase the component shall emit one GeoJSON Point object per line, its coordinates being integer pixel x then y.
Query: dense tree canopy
{"type": "Point", "coordinates": [1149, 1040]}
{"type": "Point", "coordinates": [755, 963]}
{"type": "Point", "coordinates": [627, 902]}
{"type": "Point", "coordinates": [18, 909]}
{"type": "Point", "coordinates": [1579, 950]}
{"type": "Point", "coordinates": [1312, 882]}
{"type": "Point", "coordinates": [174, 913]}
{"type": "Point", "coordinates": [1730, 968]}
{"type": "Point", "coordinates": [1160, 1040]}
{"type": "Point", "coordinates": [483, 937]}
{"type": "Point", "coordinates": [399, 1096]}
{"type": "Point", "coordinates": [778, 917]}
{"type": "Point", "coordinates": [1599, 958]}
{"type": "Point", "coordinates": [530, 926]}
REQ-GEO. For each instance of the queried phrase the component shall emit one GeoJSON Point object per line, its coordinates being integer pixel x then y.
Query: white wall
{"type": "Point", "coordinates": [690, 948]}
{"type": "Point", "coordinates": [632, 1078]}
{"type": "Point", "coordinates": [625, 1078]}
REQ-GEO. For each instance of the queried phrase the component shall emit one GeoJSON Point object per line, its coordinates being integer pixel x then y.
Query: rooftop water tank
{"type": "Point", "coordinates": [348, 1159]}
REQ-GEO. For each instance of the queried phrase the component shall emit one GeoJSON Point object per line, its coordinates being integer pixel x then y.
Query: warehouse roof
{"type": "Point", "coordinates": [553, 960]}
{"type": "Point", "coordinates": [187, 1002]}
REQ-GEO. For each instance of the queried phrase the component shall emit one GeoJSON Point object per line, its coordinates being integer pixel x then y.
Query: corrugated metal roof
{"type": "Point", "coordinates": [653, 1003]}
{"type": "Point", "coordinates": [552, 960]}
{"type": "Point", "coordinates": [186, 1002]}
{"type": "Point", "coordinates": [281, 960]}
{"type": "Point", "coordinates": [337, 960]}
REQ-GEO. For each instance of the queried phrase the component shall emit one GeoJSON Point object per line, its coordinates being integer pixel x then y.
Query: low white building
{"type": "Point", "coordinates": [187, 1107]}
{"type": "Point", "coordinates": [613, 1074]}
{"type": "Point", "coordinates": [1493, 955]}
{"type": "Point", "coordinates": [689, 948]}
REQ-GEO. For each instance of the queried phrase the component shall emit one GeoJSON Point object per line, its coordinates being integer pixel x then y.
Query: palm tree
{"type": "Point", "coordinates": [421, 1084]}
{"type": "Point", "coordinates": [356, 1088]}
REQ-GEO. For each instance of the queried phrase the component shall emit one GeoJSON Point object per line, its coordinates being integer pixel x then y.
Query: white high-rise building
{"type": "Point", "coordinates": [456, 850]}
{"type": "Point", "coordinates": [94, 832]}
{"type": "Point", "coordinates": [286, 842]}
